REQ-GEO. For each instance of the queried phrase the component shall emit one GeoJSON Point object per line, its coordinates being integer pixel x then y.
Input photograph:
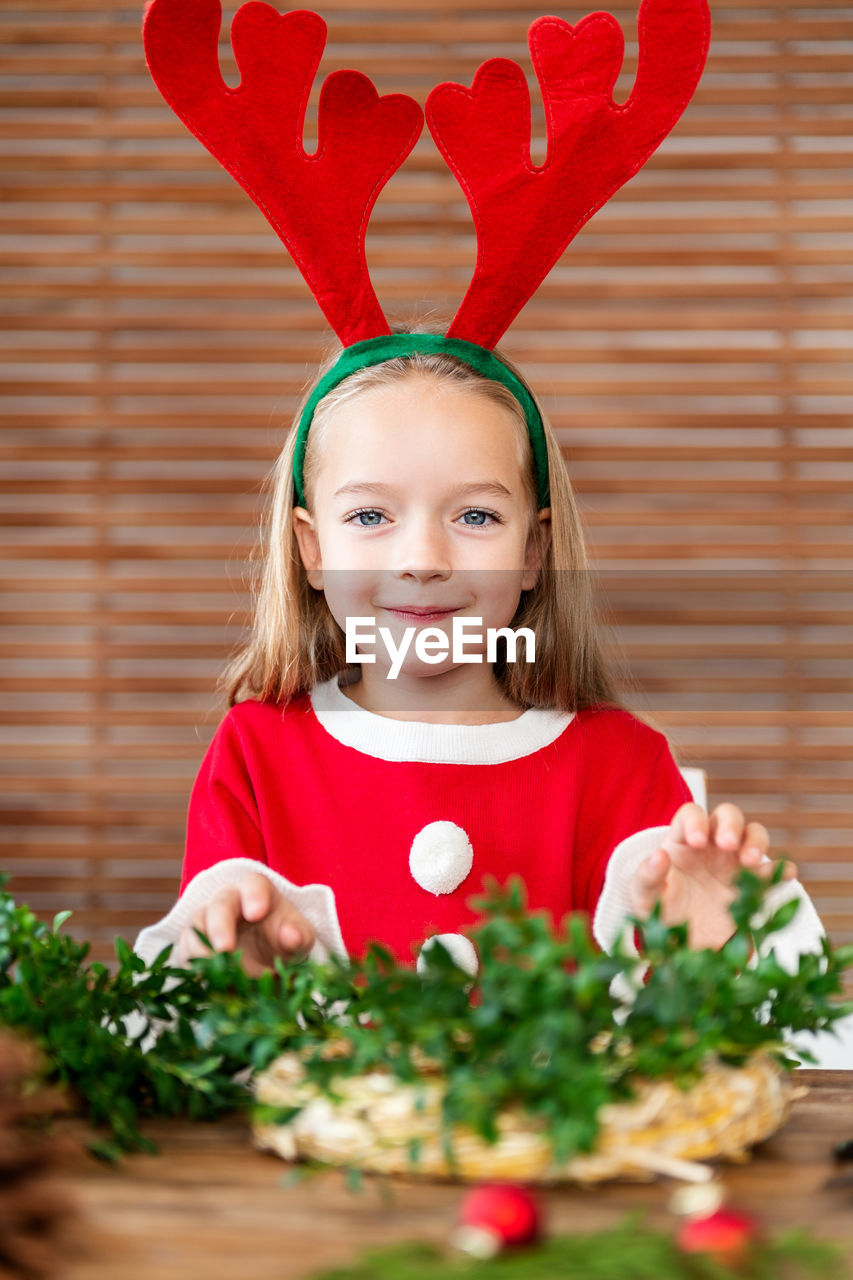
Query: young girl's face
{"type": "Point", "coordinates": [420, 504]}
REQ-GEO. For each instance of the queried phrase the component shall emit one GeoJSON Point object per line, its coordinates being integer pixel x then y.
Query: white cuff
{"type": "Point", "coordinates": [316, 902]}
{"type": "Point", "coordinates": [832, 1050]}
{"type": "Point", "coordinates": [614, 906]}
{"type": "Point", "coordinates": [803, 934]}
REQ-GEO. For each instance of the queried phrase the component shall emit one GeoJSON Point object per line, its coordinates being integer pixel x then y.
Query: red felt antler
{"type": "Point", "coordinates": [318, 204]}
{"type": "Point", "coordinates": [525, 216]}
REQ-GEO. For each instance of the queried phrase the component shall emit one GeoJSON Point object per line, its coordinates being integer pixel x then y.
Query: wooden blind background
{"type": "Point", "coordinates": [693, 348]}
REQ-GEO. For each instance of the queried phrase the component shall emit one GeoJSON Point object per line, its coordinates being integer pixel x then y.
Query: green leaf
{"type": "Point", "coordinates": [783, 916]}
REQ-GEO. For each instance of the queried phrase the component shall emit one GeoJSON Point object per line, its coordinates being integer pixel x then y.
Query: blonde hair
{"type": "Point", "coordinates": [295, 642]}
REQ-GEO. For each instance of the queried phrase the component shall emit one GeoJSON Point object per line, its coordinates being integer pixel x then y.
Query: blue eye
{"type": "Point", "coordinates": [479, 511]}
{"type": "Point", "coordinates": [368, 524]}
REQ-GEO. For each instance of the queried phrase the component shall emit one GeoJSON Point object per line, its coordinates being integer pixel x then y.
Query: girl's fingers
{"type": "Point", "coordinates": [688, 827]}
{"type": "Point", "coordinates": [190, 944]}
{"type": "Point", "coordinates": [726, 827]}
{"type": "Point", "coordinates": [223, 912]}
{"type": "Point", "coordinates": [649, 881]}
{"type": "Point", "coordinates": [250, 900]}
{"type": "Point", "coordinates": [284, 930]}
{"type": "Point", "coordinates": [756, 843]}
{"type": "Point", "coordinates": [754, 854]}
{"type": "Point", "coordinates": [276, 928]}
{"type": "Point", "coordinates": [289, 933]}
{"type": "Point", "coordinates": [257, 897]}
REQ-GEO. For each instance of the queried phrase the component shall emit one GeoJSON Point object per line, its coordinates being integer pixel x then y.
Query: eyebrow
{"type": "Point", "coordinates": [493, 487]}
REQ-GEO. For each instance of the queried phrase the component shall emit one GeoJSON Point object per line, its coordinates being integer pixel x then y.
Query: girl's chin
{"type": "Point", "coordinates": [420, 671]}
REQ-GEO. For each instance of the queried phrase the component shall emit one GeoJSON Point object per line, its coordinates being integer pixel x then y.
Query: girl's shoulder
{"type": "Point", "coordinates": [256, 716]}
{"type": "Point", "coordinates": [616, 726]}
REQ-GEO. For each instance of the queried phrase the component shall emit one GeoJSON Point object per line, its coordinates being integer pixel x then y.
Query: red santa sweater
{"type": "Point", "coordinates": [397, 822]}
{"type": "Point", "coordinates": [402, 820]}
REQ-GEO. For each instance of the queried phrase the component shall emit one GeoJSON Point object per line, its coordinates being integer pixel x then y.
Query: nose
{"type": "Point", "coordinates": [422, 552]}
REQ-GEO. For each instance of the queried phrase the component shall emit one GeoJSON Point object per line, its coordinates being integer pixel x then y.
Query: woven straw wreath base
{"type": "Point", "coordinates": [378, 1123]}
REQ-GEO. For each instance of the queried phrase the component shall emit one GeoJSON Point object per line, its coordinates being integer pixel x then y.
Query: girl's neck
{"type": "Point", "coordinates": [450, 698]}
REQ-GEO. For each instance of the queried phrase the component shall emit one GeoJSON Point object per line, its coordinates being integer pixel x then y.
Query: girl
{"type": "Point", "coordinates": [359, 790]}
{"type": "Point", "coordinates": [346, 801]}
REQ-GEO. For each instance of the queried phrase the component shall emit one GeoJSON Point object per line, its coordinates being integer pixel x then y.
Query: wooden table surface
{"type": "Point", "coordinates": [210, 1206]}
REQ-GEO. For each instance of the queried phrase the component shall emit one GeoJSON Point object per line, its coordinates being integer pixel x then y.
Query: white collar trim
{"type": "Point", "coordinates": [389, 739]}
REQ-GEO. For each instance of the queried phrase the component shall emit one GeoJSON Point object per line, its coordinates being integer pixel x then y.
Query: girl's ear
{"type": "Point", "coordinates": [537, 549]}
{"type": "Point", "coordinates": [309, 546]}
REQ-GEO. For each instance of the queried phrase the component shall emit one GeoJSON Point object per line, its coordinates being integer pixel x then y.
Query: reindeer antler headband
{"type": "Point", "coordinates": [525, 215]}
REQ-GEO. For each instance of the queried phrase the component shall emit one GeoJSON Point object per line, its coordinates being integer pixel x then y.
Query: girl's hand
{"type": "Point", "coordinates": [692, 872]}
{"type": "Point", "coordinates": [251, 916]}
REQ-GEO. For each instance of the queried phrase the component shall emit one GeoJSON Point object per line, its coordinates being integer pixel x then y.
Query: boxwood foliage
{"type": "Point", "coordinates": [541, 1025]}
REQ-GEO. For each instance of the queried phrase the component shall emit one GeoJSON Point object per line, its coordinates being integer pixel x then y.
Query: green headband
{"type": "Point", "coordinates": [362, 355]}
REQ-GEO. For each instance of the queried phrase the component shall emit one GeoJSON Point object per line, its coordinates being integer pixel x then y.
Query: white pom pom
{"type": "Point", "coordinates": [441, 857]}
{"type": "Point", "coordinates": [460, 949]}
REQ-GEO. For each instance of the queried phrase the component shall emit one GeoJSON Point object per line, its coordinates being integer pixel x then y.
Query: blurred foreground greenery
{"type": "Point", "coordinates": [539, 1026]}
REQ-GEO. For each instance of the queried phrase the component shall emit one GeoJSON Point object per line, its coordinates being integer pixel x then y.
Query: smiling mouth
{"type": "Point", "coordinates": [423, 614]}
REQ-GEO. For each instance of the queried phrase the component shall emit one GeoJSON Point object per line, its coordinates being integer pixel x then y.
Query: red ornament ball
{"type": "Point", "coordinates": [725, 1234]}
{"type": "Point", "coordinates": [507, 1212]}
